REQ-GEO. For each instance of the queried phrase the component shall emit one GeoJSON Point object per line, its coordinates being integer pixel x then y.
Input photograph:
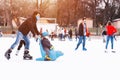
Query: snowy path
{"type": "Point", "coordinates": [93, 64]}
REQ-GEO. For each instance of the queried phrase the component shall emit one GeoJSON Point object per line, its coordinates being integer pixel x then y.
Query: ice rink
{"type": "Point", "coordinates": [93, 64]}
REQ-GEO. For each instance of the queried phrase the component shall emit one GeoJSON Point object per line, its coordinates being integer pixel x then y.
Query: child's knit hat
{"type": "Point", "coordinates": [45, 34]}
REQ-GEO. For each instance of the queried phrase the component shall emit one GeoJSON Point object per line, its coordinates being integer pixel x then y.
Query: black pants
{"type": "Point", "coordinates": [22, 42]}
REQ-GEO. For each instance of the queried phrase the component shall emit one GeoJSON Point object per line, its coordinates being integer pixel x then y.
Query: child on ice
{"type": "Point", "coordinates": [46, 45]}
{"type": "Point", "coordinates": [47, 50]}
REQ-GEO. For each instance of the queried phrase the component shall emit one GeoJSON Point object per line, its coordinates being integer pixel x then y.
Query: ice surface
{"type": "Point", "coordinates": [93, 64]}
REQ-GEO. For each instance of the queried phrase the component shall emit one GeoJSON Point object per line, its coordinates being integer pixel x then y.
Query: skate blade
{"type": "Point", "coordinates": [113, 51]}
{"type": "Point", "coordinates": [27, 58]}
{"type": "Point", "coordinates": [106, 51]}
{"type": "Point", "coordinates": [7, 57]}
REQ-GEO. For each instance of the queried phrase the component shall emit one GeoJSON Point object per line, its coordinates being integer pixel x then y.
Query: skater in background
{"type": "Point", "coordinates": [76, 33]}
{"type": "Point", "coordinates": [88, 35]}
{"type": "Point", "coordinates": [104, 33]}
{"type": "Point", "coordinates": [52, 36]}
{"type": "Point", "coordinates": [27, 26]}
{"type": "Point", "coordinates": [111, 30]}
{"type": "Point", "coordinates": [63, 34]}
{"type": "Point", "coordinates": [1, 34]}
{"type": "Point", "coordinates": [70, 34]}
{"type": "Point", "coordinates": [114, 36]}
{"type": "Point", "coordinates": [82, 31]}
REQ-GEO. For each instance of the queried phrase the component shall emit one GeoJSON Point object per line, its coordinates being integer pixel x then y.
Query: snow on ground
{"type": "Point", "coordinates": [93, 64]}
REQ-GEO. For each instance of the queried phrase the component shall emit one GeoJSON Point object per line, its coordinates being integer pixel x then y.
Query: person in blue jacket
{"type": "Point", "coordinates": [47, 50]}
{"type": "Point", "coordinates": [46, 45]}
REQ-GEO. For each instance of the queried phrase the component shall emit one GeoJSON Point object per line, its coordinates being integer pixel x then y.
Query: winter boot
{"type": "Point", "coordinates": [47, 58]}
{"type": "Point", "coordinates": [7, 53]}
{"type": "Point", "coordinates": [27, 56]}
{"type": "Point", "coordinates": [106, 51]}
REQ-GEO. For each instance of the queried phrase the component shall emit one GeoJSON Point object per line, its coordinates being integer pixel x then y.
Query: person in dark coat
{"type": "Point", "coordinates": [46, 45]}
{"type": "Point", "coordinates": [76, 33]}
{"type": "Point", "coordinates": [27, 26]}
{"type": "Point", "coordinates": [82, 31]}
{"type": "Point", "coordinates": [70, 34]}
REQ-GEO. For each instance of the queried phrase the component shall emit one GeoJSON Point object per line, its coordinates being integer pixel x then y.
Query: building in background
{"type": "Point", "coordinates": [48, 24]}
{"type": "Point", "coordinates": [116, 23]}
{"type": "Point", "coordinates": [89, 22]}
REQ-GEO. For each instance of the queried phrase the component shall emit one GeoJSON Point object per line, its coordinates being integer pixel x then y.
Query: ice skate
{"type": "Point", "coordinates": [84, 49]}
{"type": "Point", "coordinates": [47, 58]}
{"type": "Point", "coordinates": [76, 48]}
{"type": "Point", "coordinates": [7, 53]}
{"type": "Point", "coordinates": [16, 54]}
{"type": "Point", "coordinates": [106, 51]}
{"type": "Point", "coordinates": [113, 51]}
{"type": "Point", "coordinates": [27, 56]}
